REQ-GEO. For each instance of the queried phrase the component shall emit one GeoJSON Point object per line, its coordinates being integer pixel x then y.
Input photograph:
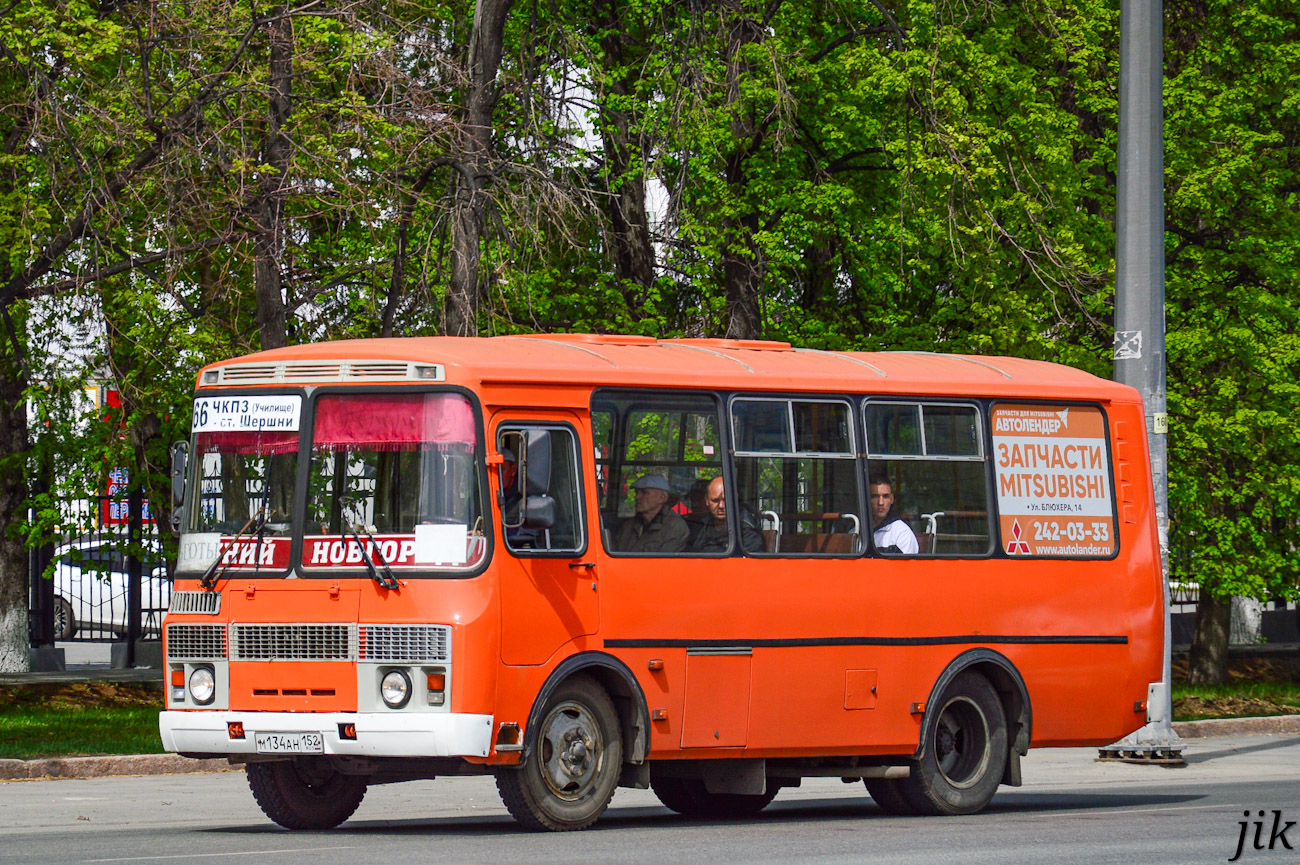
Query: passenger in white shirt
{"type": "Point", "coordinates": [890, 533]}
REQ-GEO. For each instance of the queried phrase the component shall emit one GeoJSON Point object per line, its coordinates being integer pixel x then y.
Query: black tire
{"type": "Point", "coordinates": [889, 794]}
{"type": "Point", "coordinates": [305, 793]}
{"type": "Point", "coordinates": [965, 752]}
{"type": "Point", "coordinates": [65, 623]}
{"type": "Point", "coordinates": [690, 797]}
{"type": "Point", "coordinates": [573, 762]}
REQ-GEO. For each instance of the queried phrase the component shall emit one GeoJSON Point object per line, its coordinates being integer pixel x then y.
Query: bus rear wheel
{"type": "Point", "coordinates": [689, 797]}
{"type": "Point", "coordinates": [965, 753]}
{"type": "Point", "coordinates": [305, 793]}
{"type": "Point", "coordinates": [889, 794]}
{"type": "Point", "coordinates": [569, 774]}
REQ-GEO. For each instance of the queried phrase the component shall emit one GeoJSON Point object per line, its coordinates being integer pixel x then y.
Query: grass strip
{"type": "Point", "coordinates": [29, 734]}
{"type": "Point", "coordinates": [1236, 699]}
{"type": "Point", "coordinates": [81, 719]}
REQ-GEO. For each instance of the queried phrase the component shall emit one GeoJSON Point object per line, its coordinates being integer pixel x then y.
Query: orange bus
{"type": "Point", "coordinates": [707, 567]}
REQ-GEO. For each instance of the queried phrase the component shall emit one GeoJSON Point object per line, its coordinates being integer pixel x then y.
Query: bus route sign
{"type": "Point", "coordinates": [246, 413]}
{"type": "Point", "coordinates": [1053, 478]}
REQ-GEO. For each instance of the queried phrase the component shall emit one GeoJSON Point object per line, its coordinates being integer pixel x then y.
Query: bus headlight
{"type": "Point", "coordinates": [203, 685]}
{"type": "Point", "coordinates": [395, 689]}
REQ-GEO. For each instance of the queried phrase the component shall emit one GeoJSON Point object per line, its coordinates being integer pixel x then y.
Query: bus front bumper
{"type": "Point", "coordinates": [377, 734]}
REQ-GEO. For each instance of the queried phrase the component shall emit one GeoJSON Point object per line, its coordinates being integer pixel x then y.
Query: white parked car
{"type": "Point", "coordinates": [90, 587]}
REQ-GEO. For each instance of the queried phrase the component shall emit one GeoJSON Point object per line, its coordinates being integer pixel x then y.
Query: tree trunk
{"type": "Point", "coordinates": [740, 256]}
{"type": "Point", "coordinates": [14, 589]}
{"type": "Point", "coordinates": [632, 251]}
{"type": "Point", "coordinates": [474, 158]}
{"type": "Point", "coordinates": [634, 256]}
{"type": "Point", "coordinates": [1207, 662]}
{"type": "Point", "coordinates": [269, 243]}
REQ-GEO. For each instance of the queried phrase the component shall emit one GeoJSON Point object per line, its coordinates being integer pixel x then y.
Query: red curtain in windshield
{"type": "Point", "coordinates": [392, 422]}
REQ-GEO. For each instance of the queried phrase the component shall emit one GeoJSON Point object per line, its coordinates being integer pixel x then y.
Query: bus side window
{"type": "Point", "coordinates": [668, 443]}
{"type": "Point", "coordinates": [930, 458]}
{"type": "Point", "coordinates": [541, 501]}
{"type": "Point", "coordinates": [796, 469]}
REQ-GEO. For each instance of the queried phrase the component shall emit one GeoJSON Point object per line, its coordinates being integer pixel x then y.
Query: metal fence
{"type": "Point", "coordinates": [109, 584]}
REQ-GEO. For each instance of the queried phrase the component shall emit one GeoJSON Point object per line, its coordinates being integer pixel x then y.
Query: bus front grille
{"type": "Point", "coordinates": [293, 642]}
{"type": "Point", "coordinates": [402, 644]}
{"type": "Point", "coordinates": [196, 642]}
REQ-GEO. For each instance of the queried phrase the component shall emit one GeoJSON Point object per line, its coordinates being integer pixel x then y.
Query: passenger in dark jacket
{"type": "Point", "coordinates": [713, 538]}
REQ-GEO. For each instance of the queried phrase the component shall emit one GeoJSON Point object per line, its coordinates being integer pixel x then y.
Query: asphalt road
{"type": "Point", "coordinates": [1071, 810]}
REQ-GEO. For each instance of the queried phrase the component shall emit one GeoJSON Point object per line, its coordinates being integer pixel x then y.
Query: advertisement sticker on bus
{"type": "Point", "coordinates": [1053, 480]}
{"type": "Point", "coordinates": [247, 413]}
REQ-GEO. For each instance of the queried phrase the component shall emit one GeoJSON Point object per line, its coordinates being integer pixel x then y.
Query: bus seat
{"type": "Point", "coordinates": [796, 543]}
{"type": "Point", "coordinates": [925, 543]}
{"type": "Point", "coordinates": [837, 542]}
{"type": "Point", "coordinates": [771, 540]}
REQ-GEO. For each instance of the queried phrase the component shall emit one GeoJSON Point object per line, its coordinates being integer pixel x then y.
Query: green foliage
{"type": "Point", "coordinates": [1233, 261]}
{"type": "Point", "coordinates": [907, 174]}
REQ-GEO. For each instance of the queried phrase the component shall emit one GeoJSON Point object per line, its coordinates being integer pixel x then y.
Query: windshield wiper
{"type": "Point", "coordinates": [208, 582]}
{"type": "Point", "coordinates": [386, 580]}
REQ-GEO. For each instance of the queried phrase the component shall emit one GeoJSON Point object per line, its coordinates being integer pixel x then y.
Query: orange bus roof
{"type": "Point", "coordinates": [636, 361]}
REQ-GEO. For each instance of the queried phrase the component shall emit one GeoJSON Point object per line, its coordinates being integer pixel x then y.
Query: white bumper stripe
{"type": "Point", "coordinates": [378, 735]}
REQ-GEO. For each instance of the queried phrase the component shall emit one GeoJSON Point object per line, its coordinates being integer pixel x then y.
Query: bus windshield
{"type": "Point", "coordinates": [242, 472]}
{"type": "Point", "coordinates": [393, 476]}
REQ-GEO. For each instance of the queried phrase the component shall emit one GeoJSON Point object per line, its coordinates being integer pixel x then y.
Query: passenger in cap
{"type": "Point", "coordinates": [654, 528]}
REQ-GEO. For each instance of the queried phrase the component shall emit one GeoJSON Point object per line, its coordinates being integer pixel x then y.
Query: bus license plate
{"type": "Point", "coordinates": [290, 743]}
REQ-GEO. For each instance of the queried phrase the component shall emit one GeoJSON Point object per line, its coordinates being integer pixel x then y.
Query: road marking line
{"type": "Point", "coordinates": [211, 855]}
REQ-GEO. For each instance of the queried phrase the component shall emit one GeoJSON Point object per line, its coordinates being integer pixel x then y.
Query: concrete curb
{"type": "Point", "coordinates": [101, 767]}
{"type": "Point", "coordinates": [1272, 725]}
{"type": "Point", "coordinates": [174, 764]}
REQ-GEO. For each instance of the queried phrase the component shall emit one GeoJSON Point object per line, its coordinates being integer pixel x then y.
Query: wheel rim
{"type": "Point", "coordinates": [317, 778]}
{"type": "Point", "coordinates": [571, 751]}
{"type": "Point", "coordinates": [961, 742]}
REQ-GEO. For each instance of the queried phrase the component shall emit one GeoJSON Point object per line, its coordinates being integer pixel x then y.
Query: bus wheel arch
{"type": "Point", "coordinates": [975, 727]}
{"type": "Point", "coordinates": [573, 758]}
{"type": "Point", "coordinates": [587, 733]}
{"type": "Point", "coordinates": [1012, 693]}
{"type": "Point", "coordinates": [623, 689]}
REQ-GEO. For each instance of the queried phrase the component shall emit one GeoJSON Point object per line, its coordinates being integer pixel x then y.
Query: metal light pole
{"type": "Point", "coordinates": [1140, 310]}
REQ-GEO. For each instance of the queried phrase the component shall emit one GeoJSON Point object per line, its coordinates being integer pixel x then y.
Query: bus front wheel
{"type": "Point", "coordinates": [569, 774]}
{"type": "Point", "coordinates": [305, 793]}
{"type": "Point", "coordinates": [965, 754]}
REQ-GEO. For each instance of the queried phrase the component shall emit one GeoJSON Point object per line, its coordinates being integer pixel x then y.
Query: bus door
{"type": "Point", "coordinates": [548, 580]}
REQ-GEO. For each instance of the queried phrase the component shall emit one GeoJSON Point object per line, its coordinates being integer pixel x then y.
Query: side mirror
{"type": "Point", "coordinates": [180, 453]}
{"type": "Point", "coordinates": [539, 512]}
{"type": "Point", "coordinates": [532, 450]}
{"type": "Point", "coordinates": [537, 463]}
